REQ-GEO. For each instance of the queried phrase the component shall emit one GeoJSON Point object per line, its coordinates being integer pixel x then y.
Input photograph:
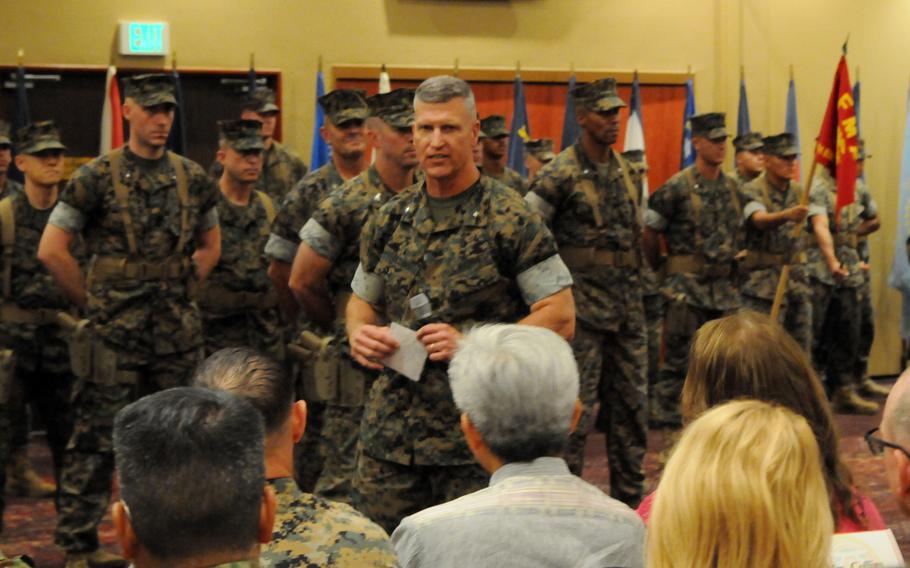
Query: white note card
{"type": "Point", "coordinates": [872, 549]}
{"type": "Point", "coordinates": [411, 356]}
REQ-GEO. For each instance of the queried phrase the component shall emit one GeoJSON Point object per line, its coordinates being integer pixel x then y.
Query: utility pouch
{"type": "Point", "coordinates": [317, 366]}
{"type": "Point", "coordinates": [7, 374]}
{"type": "Point", "coordinates": [104, 364]}
{"type": "Point", "coordinates": [80, 348]}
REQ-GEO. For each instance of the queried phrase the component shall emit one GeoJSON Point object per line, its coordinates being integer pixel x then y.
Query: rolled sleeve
{"type": "Point", "coordinates": [208, 220]}
{"type": "Point", "coordinates": [540, 205]}
{"type": "Point", "coordinates": [320, 240]}
{"type": "Point", "coordinates": [654, 220]}
{"type": "Point", "coordinates": [544, 279]}
{"type": "Point", "coordinates": [281, 249]}
{"type": "Point", "coordinates": [817, 210]}
{"type": "Point", "coordinates": [368, 286]}
{"type": "Point", "coordinates": [871, 208]}
{"type": "Point", "coordinates": [752, 208]}
{"type": "Point", "coordinates": [67, 218]}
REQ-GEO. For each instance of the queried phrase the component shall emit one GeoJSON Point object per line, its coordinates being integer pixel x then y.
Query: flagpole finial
{"type": "Point", "coordinates": [791, 71]}
{"type": "Point", "coordinates": [20, 56]}
{"type": "Point", "coordinates": [174, 60]}
{"type": "Point", "coordinates": [518, 67]}
{"type": "Point", "coordinates": [382, 69]}
{"type": "Point", "coordinates": [742, 72]}
{"type": "Point", "coordinates": [455, 68]}
{"type": "Point", "coordinates": [319, 63]}
{"type": "Point", "coordinates": [252, 61]}
{"type": "Point", "coordinates": [846, 41]}
{"type": "Point", "coordinates": [689, 71]}
{"type": "Point", "coordinates": [857, 72]}
{"type": "Point", "coordinates": [571, 67]}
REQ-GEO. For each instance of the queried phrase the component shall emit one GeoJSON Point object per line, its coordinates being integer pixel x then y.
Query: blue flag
{"type": "Point", "coordinates": [320, 154]}
{"type": "Point", "coordinates": [570, 129]}
{"type": "Point", "coordinates": [900, 266]}
{"type": "Point", "coordinates": [520, 130]}
{"type": "Point", "coordinates": [742, 119]}
{"type": "Point", "coordinates": [856, 94]}
{"type": "Point", "coordinates": [688, 155]}
{"type": "Point", "coordinates": [176, 139]}
{"type": "Point", "coordinates": [791, 122]}
{"type": "Point", "coordinates": [20, 118]}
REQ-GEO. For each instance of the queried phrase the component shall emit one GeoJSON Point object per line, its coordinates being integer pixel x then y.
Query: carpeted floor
{"type": "Point", "coordinates": [30, 523]}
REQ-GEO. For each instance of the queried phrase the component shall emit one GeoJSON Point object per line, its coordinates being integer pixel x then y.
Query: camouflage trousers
{"type": "Point", "coordinates": [340, 433]}
{"type": "Point", "coordinates": [682, 321]}
{"type": "Point", "coordinates": [88, 462]}
{"type": "Point", "coordinates": [866, 329]}
{"type": "Point", "coordinates": [795, 316]}
{"type": "Point", "coordinates": [654, 322]}
{"type": "Point", "coordinates": [613, 372]}
{"type": "Point", "coordinates": [387, 492]}
{"type": "Point", "coordinates": [836, 314]}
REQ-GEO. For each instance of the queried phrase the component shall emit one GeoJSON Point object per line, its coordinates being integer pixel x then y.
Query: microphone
{"type": "Point", "coordinates": [422, 309]}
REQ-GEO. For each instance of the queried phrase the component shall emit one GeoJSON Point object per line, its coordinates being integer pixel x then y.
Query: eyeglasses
{"type": "Point", "coordinates": [877, 445]}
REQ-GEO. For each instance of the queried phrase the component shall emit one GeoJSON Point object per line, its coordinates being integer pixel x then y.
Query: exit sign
{"type": "Point", "coordinates": [144, 38]}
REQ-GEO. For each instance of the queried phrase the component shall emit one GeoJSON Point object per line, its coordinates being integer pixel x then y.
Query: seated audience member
{"type": "Point", "coordinates": [517, 389]}
{"type": "Point", "coordinates": [744, 488]}
{"type": "Point", "coordinates": [747, 355]}
{"type": "Point", "coordinates": [892, 440]}
{"type": "Point", "coordinates": [192, 480]}
{"type": "Point", "coordinates": [308, 530]}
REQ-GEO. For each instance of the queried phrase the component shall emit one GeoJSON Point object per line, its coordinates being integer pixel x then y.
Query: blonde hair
{"type": "Point", "coordinates": [742, 488]}
{"type": "Point", "coordinates": [749, 355]}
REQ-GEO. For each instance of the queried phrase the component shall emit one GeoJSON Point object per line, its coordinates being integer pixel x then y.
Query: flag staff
{"type": "Point", "coordinates": [173, 60]}
{"type": "Point", "coordinates": [20, 56]}
{"type": "Point", "coordinates": [455, 70]}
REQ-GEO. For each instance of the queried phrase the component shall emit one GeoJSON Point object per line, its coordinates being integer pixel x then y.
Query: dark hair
{"type": "Point", "coordinates": [192, 472]}
{"type": "Point", "coordinates": [748, 355]}
{"type": "Point", "coordinates": [254, 376]}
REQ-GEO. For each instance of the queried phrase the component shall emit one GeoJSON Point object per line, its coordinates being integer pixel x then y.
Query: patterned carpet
{"type": "Point", "coordinates": [30, 523]}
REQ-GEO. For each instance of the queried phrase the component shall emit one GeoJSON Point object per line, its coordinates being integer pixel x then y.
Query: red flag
{"type": "Point", "coordinates": [111, 114]}
{"type": "Point", "coordinates": [836, 145]}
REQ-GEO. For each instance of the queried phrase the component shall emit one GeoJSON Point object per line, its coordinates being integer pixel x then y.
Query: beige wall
{"type": "Point", "coordinates": [713, 36]}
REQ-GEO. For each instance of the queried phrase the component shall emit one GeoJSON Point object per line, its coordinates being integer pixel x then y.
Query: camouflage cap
{"type": "Point", "coordinates": [861, 150]}
{"type": "Point", "coordinates": [151, 89]}
{"type": "Point", "coordinates": [493, 126]}
{"type": "Point", "coordinates": [4, 133]}
{"type": "Point", "coordinates": [38, 136]}
{"type": "Point", "coordinates": [781, 145]}
{"type": "Point", "coordinates": [710, 125]}
{"type": "Point", "coordinates": [261, 100]}
{"type": "Point", "coordinates": [750, 141]}
{"type": "Point", "coordinates": [342, 105]}
{"type": "Point", "coordinates": [241, 134]}
{"type": "Point", "coordinates": [395, 108]}
{"type": "Point", "coordinates": [636, 159]}
{"type": "Point", "coordinates": [601, 95]}
{"type": "Point", "coordinates": [541, 149]}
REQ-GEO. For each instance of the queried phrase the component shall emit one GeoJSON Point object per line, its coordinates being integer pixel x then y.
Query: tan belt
{"type": "Point", "coordinates": [846, 239]}
{"type": "Point", "coordinates": [222, 298]}
{"type": "Point", "coordinates": [577, 258]}
{"type": "Point", "coordinates": [696, 264]}
{"type": "Point", "coordinates": [112, 269]}
{"type": "Point", "coordinates": [756, 259]}
{"type": "Point", "coordinates": [11, 313]}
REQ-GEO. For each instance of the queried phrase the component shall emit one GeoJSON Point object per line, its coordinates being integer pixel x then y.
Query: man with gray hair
{"type": "Point", "coordinates": [464, 249]}
{"type": "Point", "coordinates": [192, 483]}
{"type": "Point", "coordinates": [892, 440]}
{"type": "Point", "coordinates": [517, 390]}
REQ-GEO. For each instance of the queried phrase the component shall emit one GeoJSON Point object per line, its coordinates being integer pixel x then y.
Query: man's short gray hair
{"type": "Point", "coordinates": [444, 88]}
{"type": "Point", "coordinates": [518, 384]}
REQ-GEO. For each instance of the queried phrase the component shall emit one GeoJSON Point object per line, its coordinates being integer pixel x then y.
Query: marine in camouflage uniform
{"type": "Point", "coordinates": [588, 198]}
{"type": "Point", "coordinates": [538, 153]}
{"type": "Point", "coordinates": [651, 296]}
{"type": "Point", "coordinates": [346, 111]}
{"type": "Point", "coordinates": [34, 359]}
{"type": "Point", "coordinates": [148, 334]}
{"type": "Point", "coordinates": [313, 531]}
{"type": "Point", "coordinates": [281, 168]}
{"type": "Point", "coordinates": [325, 264]}
{"type": "Point", "coordinates": [837, 299]}
{"type": "Point", "coordinates": [771, 214]}
{"type": "Point", "coordinates": [701, 219]}
{"type": "Point", "coordinates": [7, 186]}
{"type": "Point", "coordinates": [471, 249]}
{"type": "Point", "coordinates": [238, 304]}
{"type": "Point", "coordinates": [749, 158]}
{"type": "Point", "coordinates": [494, 138]}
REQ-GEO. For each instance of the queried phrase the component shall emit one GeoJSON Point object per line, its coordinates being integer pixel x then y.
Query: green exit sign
{"type": "Point", "coordinates": [144, 38]}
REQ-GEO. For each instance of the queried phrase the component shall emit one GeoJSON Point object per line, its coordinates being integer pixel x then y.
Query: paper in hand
{"type": "Point", "coordinates": [411, 356]}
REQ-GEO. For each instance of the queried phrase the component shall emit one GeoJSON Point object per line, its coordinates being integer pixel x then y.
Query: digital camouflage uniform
{"type": "Point", "coordinates": [837, 304]}
{"type": "Point", "coordinates": [510, 178]}
{"type": "Point", "coordinates": [11, 187]}
{"type": "Point", "coordinates": [486, 261]}
{"type": "Point", "coordinates": [595, 220]}
{"type": "Point", "coordinates": [340, 106]}
{"type": "Point", "coordinates": [867, 314]}
{"type": "Point", "coordinates": [701, 283]}
{"type": "Point", "coordinates": [282, 170]}
{"type": "Point", "coordinates": [334, 233]}
{"type": "Point", "coordinates": [768, 251]}
{"type": "Point", "coordinates": [748, 142]}
{"type": "Point", "coordinates": [494, 126]}
{"type": "Point", "coordinates": [313, 531]}
{"type": "Point", "coordinates": [238, 302]}
{"type": "Point", "coordinates": [148, 334]}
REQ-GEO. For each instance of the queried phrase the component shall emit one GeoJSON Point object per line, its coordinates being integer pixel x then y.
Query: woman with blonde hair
{"type": "Point", "coordinates": [744, 488]}
{"type": "Point", "coordinates": [748, 355]}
